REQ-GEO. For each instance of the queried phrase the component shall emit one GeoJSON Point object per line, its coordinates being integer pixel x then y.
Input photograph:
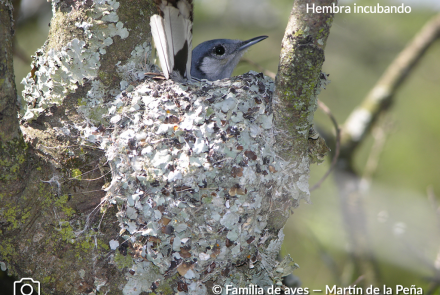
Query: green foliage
{"type": "Point", "coordinates": [76, 173]}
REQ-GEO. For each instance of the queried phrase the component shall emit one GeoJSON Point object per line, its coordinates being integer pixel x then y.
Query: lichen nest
{"type": "Point", "coordinates": [194, 173]}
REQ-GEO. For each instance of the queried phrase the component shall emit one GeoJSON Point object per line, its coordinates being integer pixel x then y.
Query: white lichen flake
{"type": "Point", "coordinates": [60, 71]}
{"type": "Point", "coordinates": [191, 167]}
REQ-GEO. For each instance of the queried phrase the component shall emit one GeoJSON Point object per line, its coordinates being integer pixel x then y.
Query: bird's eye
{"type": "Point", "coordinates": [219, 50]}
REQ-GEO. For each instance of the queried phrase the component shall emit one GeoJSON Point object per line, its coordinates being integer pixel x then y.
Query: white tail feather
{"type": "Point", "coordinates": [160, 41]}
{"type": "Point", "coordinates": [172, 36]}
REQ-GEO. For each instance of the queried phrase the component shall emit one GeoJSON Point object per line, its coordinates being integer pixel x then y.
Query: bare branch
{"type": "Point", "coordinates": [301, 59]}
{"type": "Point", "coordinates": [379, 98]}
{"type": "Point", "coordinates": [298, 83]}
{"type": "Point", "coordinates": [326, 110]}
{"type": "Point", "coordinates": [354, 130]}
{"type": "Point", "coordinates": [379, 134]}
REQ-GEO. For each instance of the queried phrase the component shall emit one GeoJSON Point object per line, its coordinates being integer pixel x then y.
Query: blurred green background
{"type": "Point", "coordinates": [401, 221]}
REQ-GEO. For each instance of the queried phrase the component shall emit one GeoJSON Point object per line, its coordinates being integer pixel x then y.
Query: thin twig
{"type": "Point", "coordinates": [360, 121]}
{"type": "Point", "coordinates": [380, 136]}
{"type": "Point", "coordinates": [353, 133]}
{"type": "Point", "coordinates": [327, 111]}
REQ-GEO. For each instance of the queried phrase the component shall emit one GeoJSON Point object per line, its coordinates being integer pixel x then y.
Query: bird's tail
{"type": "Point", "coordinates": [172, 35]}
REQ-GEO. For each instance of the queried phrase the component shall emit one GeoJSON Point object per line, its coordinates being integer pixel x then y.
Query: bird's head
{"type": "Point", "coordinates": [216, 59]}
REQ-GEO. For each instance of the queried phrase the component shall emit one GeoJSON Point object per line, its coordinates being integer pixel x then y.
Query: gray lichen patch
{"type": "Point", "coordinates": [196, 177]}
{"type": "Point", "coordinates": [70, 58]}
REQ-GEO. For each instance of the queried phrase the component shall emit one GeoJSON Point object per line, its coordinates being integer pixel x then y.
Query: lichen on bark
{"type": "Point", "coordinates": [298, 82]}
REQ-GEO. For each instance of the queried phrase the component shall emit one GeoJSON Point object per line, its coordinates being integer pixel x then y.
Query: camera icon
{"type": "Point", "coordinates": [26, 286]}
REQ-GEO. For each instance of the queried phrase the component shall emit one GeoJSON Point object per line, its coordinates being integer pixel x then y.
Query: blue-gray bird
{"type": "Point", "coordinates": [216, 59]}
{"type": "Point", "coordinates": [172, 34]}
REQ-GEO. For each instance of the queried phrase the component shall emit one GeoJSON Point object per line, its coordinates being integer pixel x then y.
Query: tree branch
{"type": "Point", "coordinates": [327, 111]}
{"type": "Point", "coordinates": [8, 95]}
{"type": "Point", "coordinates": [298, 84]}
{"type": "Point", "coordinates": [381, 95]}
{"type": "Point", "coordinates": [354, 130]}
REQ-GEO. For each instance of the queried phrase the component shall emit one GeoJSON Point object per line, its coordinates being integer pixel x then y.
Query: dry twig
{"type": "Point", "coordinates": [326, 110]}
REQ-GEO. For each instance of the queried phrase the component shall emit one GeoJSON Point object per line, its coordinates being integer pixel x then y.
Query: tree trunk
{"type": "Point", "coordinates": [125, 185]}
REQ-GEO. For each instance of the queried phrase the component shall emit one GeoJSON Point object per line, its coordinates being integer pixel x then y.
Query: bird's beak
{"type": "Point", "coordinates": [251, 42]}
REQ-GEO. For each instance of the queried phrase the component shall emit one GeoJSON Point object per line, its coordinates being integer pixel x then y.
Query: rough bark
{"type": "Point", "coordinates": [133, 185]}
{"type": "Point", "coordinates": [12, 148]}
{"type": "Point", "coordinates": [8, 96]}
{"type": "Point", "coordinates": [298, 82]}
